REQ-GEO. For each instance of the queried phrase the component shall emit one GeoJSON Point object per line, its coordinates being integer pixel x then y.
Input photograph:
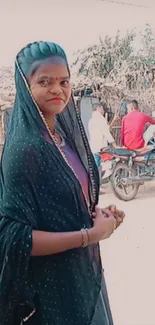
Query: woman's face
{"type": "Point", "coordinates": [50, 86]}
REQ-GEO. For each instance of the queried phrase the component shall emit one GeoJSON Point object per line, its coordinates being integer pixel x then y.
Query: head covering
{"type": "Point", "coordinates": [39, 191]}
{"type": "Point", "coordinates": [38, 51]}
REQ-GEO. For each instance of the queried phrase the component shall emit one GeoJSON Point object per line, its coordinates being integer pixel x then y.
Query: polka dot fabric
{"type": "Point", "coordinates": [38, 190]}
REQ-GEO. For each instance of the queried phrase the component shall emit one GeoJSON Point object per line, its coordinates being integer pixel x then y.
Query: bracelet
{"type": "Point", "coordinates": [85, 237]}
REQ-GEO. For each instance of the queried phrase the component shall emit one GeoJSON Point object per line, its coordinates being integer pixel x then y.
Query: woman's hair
{"type": "Point", "coordinates": [34, 54]}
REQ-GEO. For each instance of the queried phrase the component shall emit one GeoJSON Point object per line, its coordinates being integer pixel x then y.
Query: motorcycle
{"type": "Point", "coordinates": [128, 169]}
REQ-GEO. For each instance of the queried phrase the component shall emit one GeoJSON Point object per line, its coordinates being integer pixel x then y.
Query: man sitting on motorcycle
{"type": "Point", "coordinates": [133, 127]}
{"type": "Point", "coordinates": [99, 132]}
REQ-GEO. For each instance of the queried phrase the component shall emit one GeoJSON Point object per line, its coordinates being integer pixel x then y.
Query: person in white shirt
{"type": "Point", "coordinates": [99, 132]}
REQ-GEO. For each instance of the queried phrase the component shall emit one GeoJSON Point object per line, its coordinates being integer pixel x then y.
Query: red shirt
{"type": "Point", "coordinates": [132, 130]}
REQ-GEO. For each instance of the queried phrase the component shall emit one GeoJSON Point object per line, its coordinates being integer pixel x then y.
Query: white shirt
{"type": "Point", "coordinates": [99, 132]}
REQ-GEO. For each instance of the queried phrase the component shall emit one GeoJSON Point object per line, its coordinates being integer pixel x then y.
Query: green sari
{"type": "Point", "coordinates": [39, 191]}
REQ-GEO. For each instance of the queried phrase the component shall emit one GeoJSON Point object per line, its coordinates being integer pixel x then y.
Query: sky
{"type": "Point", "coordinates": [73, 24]}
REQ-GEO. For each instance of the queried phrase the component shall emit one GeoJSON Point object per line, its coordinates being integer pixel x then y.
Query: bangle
{"type": "Point", "coordinates": [85, 237]}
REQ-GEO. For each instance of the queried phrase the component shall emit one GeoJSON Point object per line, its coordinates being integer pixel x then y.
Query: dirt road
{"type": "Point", "coordinates": [129, 260]}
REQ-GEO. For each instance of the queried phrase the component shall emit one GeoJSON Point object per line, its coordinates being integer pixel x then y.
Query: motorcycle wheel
{"type": "Point", "coordinates": [120, 190]}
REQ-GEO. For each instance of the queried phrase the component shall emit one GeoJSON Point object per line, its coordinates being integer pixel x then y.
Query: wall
{"type": "Point", "coordinates": [86, 110]}
{"type": "Point", "coordinates": [5, 114]}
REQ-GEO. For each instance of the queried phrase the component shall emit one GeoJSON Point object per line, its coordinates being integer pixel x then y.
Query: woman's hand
{"type": "Point", "coordinates": [118, 215]}
{"type": "Point", "coordinates": [104, 225]}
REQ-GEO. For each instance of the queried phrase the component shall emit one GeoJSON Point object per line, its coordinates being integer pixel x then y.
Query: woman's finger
{"type": "Point", "coordinates": [112, 208]}
{"type": "Point", "coordinates": [107, 212]}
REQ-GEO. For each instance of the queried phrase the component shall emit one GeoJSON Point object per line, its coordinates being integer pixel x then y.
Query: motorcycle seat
{"type": "Point", "coordinates": [128, 153]}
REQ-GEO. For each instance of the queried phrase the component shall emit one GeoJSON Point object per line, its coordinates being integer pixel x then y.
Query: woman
{"type": "Point", "coordinates": [50, 267]}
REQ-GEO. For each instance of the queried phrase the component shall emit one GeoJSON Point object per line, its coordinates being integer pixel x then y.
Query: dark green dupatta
{"type": "Point", "coordinates": [39, 191]}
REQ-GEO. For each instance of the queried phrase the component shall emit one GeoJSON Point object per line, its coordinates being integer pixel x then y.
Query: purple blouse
{"type": "Point", "coordinates": [74, 161]}
{"type": "Point", "coordinates": [77, 166]}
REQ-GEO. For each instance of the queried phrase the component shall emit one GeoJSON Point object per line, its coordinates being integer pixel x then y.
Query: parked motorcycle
{"type": "Point", "coordinates": [127, 169]}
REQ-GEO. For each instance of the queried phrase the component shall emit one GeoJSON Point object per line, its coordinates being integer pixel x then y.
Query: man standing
{"type": "Point", "coordinates": [99, 132]}
{"type": "Point", "coordinates": [133, 127]}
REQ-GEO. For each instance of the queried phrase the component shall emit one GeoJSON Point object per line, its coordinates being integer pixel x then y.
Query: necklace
{"type": "Point", "coordinates": [56, 142]}
{"type": "Point", "coordinates": [59, 141]}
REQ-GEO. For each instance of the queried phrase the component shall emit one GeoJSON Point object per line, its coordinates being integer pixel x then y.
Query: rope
{"type": "Point", "coordinates": [127, 4]}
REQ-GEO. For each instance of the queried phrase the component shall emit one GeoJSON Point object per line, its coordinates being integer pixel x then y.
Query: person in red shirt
{"type": "Point", "coordinates": [133, 127]}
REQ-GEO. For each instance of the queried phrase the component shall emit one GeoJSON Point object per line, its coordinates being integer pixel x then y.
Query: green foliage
{"type": "Point", "coordinates": [99, 60]}
{"type": "Point", "coordinates": [117, 63]}
{"type": "Point", "coordinates": [148, 44]}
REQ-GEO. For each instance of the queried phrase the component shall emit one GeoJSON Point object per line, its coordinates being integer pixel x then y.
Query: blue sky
{"type": "Point", "coordinates": [71, 23]}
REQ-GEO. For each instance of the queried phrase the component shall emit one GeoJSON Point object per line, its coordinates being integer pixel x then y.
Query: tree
{"type": "Point", "coordinates": [148, 44]}
{"type": "Point", "coordinates": [115, 70]}
{"type": "Point", "coordinates": [102, 61]}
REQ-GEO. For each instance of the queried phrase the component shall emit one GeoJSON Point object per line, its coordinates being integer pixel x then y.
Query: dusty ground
{"type": "Point", "coordinates": [129, 260]}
